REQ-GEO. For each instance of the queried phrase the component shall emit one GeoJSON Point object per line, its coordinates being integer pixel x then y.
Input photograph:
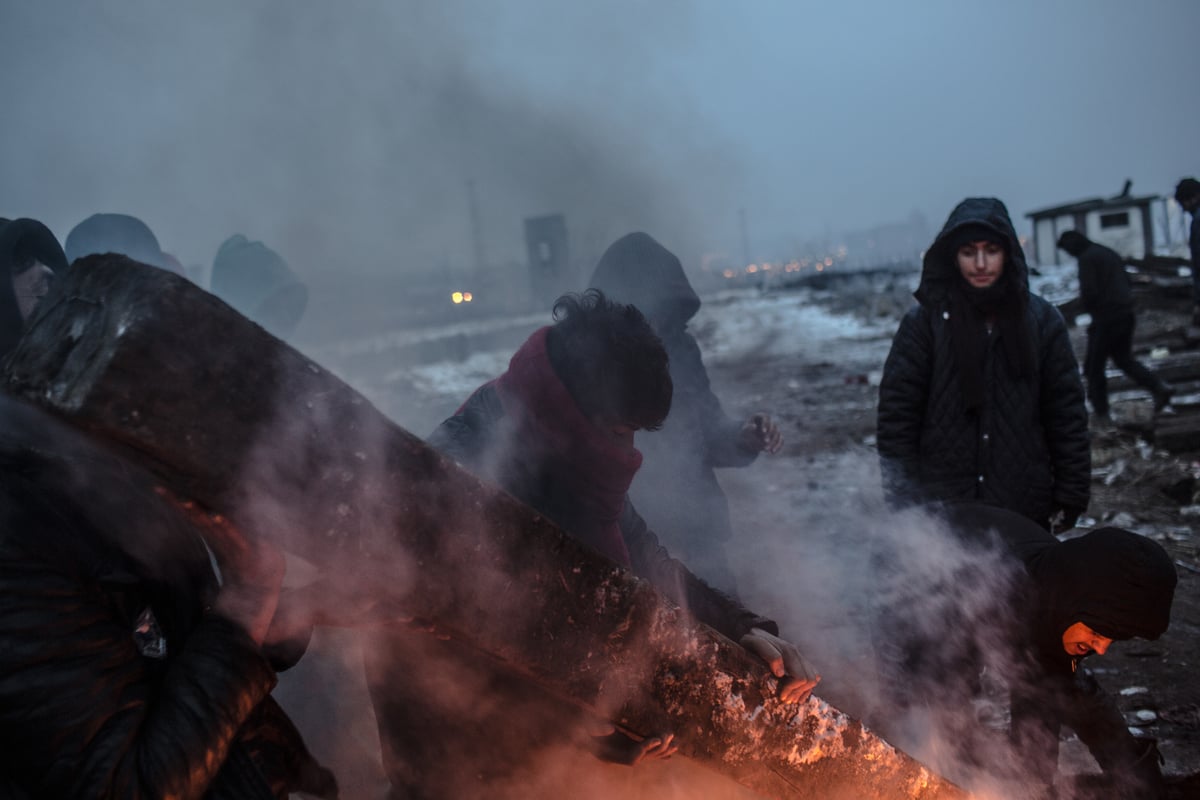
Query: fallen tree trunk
{"type": "Point", "coordinates": [230, 416]}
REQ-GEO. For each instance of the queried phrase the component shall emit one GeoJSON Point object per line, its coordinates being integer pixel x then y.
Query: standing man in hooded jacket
{"type": "Point", "coordinates": [981, 398]}
{"type": "Point", "coordinates": [676, 489]}
{"type": "Point", "coordinates": [1107, 297]}
{"type": "Point", "coordinates": [1187, 194]}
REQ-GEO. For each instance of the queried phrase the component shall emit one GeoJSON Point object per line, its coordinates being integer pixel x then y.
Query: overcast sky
{"type": "Point", "coordinates": [344, 133]}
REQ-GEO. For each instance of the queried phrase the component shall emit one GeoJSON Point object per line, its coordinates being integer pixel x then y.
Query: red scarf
{"type": "Point", "coordinates": [593, 468]}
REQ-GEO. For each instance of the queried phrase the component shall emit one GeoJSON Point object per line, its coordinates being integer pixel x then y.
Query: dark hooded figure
{"type": "Point", "coordinates": [1187, 194]}
{"type": "Point", "coordinates": [556, 432]}
{"type": "Point", "coordinates": [127, 669]}
{"type": "Point", "coordinates": [1106, 294]}
{"type": "Point", "coordinates": [981, 397]}
{"type": "Point", "coordinates": [116, 233]}
{"type": "Point", "coordinates": [30, 257]}
{"type": "Point", "coordinates": [1038, 607]}
{"type": "Point", "coordinates": [676, 489]}
{"type": "Point", "coordinates": [256, 281]}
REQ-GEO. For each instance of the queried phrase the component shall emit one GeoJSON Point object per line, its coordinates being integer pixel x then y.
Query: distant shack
{"type": "Point", "coordinates": [1122, 223]}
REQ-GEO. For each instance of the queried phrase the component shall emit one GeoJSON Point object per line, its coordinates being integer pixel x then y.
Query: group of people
{"type": "Point", "coordinates": [137, 652]}
{"type": "Point", "coordinates": [982, 421]}
{"type": "Point", "coordinates": [248, 275]}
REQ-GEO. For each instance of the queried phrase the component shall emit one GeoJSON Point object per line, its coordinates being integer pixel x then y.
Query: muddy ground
{"type": "Point", "coordinates": [825, 476]}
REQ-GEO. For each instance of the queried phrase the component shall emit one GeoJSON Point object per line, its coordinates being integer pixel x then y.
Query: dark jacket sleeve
{"type": "Point", "coordinates": [84, 714]}
{"type": "Point", "coordinates": [1089, 284]}
{"type": "Point", "coordinates": [722, 434]}
{"type": "Point", "coordinates": [711, 606]}
{"type": "Point", "coordinates": [903, 395]}
{"type": "Point", "coordinates": [463, 436]}
{"type": "Point", "coordinates": [1064, 415]}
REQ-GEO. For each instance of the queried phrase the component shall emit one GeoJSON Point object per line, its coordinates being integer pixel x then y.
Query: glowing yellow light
{"type": "Point", "coordinates": [468, 297]}
{"type": "Point", "coordinates": [457, 297]}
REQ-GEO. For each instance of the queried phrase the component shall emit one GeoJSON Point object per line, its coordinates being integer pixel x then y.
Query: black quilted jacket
{"type": "Point", "coordinates": [1027, 450]}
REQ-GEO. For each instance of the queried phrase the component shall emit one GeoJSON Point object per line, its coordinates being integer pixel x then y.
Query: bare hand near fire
{"type": "Point", "coordinates": [609, 744]}
{"type": "Point", "coordinates": [797, 678]}
{"type": "Point", "coordinates": [760, 433]}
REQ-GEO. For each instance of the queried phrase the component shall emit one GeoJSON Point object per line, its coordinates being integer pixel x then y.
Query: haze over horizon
{"type": "Point", "coordinates": [345, 135]}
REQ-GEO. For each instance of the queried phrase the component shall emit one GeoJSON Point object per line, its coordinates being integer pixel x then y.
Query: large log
{"type": "Point", "coordinates": [230, 416]}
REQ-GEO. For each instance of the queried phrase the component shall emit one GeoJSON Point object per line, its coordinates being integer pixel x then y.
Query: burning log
{"type": "Point", "coordinates": [228, 415]}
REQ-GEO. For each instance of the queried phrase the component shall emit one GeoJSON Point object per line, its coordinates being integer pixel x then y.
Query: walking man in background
{"type": "Point", "coordinates": [1105, 291]}
{"type": "Point", "coordinates": [1187, 194]}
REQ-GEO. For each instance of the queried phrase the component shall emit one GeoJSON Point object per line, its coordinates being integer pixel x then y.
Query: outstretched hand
{"type": "Point", "coordinates": [797, 678]}
{"type": "Point", "coordinates": [609, 744]}
{"type": "Point", "coordinates": [760, 433]}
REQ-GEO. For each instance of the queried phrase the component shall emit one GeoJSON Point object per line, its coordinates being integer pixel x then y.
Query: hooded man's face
{"type": "Point", "coordinates": [981, 263]}
{"type": "Point", "coordinates": [30, 284]}
{"type": "Point", "coordinates": [1080, 640]}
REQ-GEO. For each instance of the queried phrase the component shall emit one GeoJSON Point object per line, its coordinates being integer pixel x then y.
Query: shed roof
{"type": "Point", "coordinates": [1094, 204]}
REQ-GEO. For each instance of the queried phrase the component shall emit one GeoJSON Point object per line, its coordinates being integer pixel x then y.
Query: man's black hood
{"type": "Point", "coordinates": [639, 271]}
{"type": "Point", "coordinates": [1114, 581]}
{"type": "Point", "coordinates": [940, 268]}
{"type": "Point", "coordinates": [115, 233]}
{"type": "Point", "coordinates": [22, 237]}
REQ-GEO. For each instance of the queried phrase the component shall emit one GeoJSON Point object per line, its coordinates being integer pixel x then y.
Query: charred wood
{"type": "Point", "coordinates": [230, 416]}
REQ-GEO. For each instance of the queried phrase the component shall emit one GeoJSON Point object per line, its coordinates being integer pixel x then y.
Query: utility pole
{"type": "Point", "coordinates": [476, 226]}
{"type": "Point", "coordinates": [745, 237]}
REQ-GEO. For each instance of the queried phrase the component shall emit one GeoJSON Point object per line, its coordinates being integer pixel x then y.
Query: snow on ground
{"type": "Point", "coordinates": [730, 325]}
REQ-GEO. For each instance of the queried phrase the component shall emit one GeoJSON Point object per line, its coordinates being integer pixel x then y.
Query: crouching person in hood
{"type": "Point", "coordinates": [555, 431]}
{"type": "Point", "coordinates": [1036, 608]}
{"type": "Point", "coordinates": [127, 669]}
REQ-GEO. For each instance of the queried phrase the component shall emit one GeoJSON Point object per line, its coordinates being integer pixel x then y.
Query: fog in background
{"type": "Point", "coordinates": [344, 135]}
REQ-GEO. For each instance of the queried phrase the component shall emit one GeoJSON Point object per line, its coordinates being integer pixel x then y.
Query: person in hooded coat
{"type": "Point", "coordinates": [31, 257]}
{"type": "Point", "coordinates": [677, 489]}
{"type": "Point", "coordinates": [256, 281]}
{"type": "Point", "coordinates": [1038, 607]}
{"type": "Point", "coordinates": [127, 668]}
{"type": "Point", "coordinates": [1187, 194]}
{"type": "Point", "coordinates": [1106, 294]}
{"type": "Point", "coordinates": [555, 431]}
{"type": "Point", "coordinates": [116, 233]}
{"type": "Point", "coordinates": [980, 397]}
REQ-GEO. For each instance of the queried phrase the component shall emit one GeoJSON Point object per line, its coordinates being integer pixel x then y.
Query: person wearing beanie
{"type": "Point", "coordinates": [1105, 291]}
{"type": "Point", "coordinates": [259, 284]}
{"type": "Point", "coordinates": [1039, 608]}
{"type": "Point", "coordinates": [31, 257]}
{"type": "Point", "coordinates": [677, 489]}
{"type": "Point", "coordinates": [981, 398]}
{"type": "Point", "coordinates": [1187, 194]}
{"type": "Point", "coordinates": [115, 233]}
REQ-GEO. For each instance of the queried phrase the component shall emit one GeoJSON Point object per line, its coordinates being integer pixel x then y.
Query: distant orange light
{"type": "Point", "coordinates": [468, 297]}
{"type": "Point", "coordinates": [456, 297]}
{"type": "Point", "coordinates": [752, 268]}
{"type": "Point", "coordinates": [729, 273]}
